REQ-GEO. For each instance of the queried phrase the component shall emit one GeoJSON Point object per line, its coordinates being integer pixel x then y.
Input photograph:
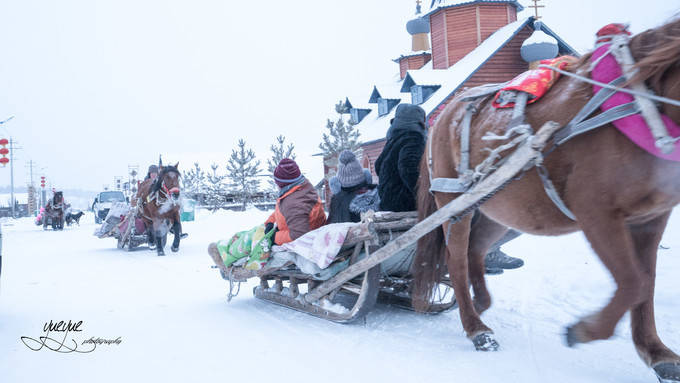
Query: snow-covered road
{"type": "Point", "coordinates": [175, 325]}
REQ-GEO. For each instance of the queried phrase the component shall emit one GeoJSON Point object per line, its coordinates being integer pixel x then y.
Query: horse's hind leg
{"type": "Point", "coordinates": [612, 241]}
{"type": "Point", "coordinates": [457, 262]}
{"type": "Point", "coordinates": [649, 346]}
{"type": "Point", "coordinates": [484, 233]}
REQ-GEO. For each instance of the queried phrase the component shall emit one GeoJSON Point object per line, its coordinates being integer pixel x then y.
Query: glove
{"type": "Point", "coordinates": [268, 227]}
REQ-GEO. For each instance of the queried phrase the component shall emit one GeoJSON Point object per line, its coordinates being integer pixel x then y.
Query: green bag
{"type": "Point", "coordinates": [253, 243]}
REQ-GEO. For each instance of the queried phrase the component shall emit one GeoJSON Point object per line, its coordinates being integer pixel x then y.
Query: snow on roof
{"type": "Point", "coordinates": [452, 78]}
{"type": "Point", "coordinates": [374, 127]}
{"type": "Point", "coordinates": [538, 37]}
{"type": "Point", "coordinates": [436, 4]}
{"type": "Point", "coordinates": [411, 53]}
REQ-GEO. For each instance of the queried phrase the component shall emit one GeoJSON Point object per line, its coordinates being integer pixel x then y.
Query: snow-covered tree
{"type": "Point", "coordinates": [279, 151]}
{"type": "Point", "coordinates": [342, 135]}
{"type": "Point", "coordinates": [243, 170]}
{"type": "Point", "coordinates": [194, 180]}
{"type": "Point", "coordinates": [215, 189]}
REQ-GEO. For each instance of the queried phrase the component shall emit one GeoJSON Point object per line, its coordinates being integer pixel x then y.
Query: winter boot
{"type": "Point", "coordinates": [499, 260]}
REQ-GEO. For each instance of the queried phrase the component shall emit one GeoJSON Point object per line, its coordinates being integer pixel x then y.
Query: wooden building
{"type": "Point", "coordinates": [455, 44]}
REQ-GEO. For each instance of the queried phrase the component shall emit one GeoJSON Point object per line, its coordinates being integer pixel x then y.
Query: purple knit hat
{"type": "Point", "coordinates": [286, 172]}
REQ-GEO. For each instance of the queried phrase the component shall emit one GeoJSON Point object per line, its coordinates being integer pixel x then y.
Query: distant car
{"type": "Point", "coordinates": [102, 203]}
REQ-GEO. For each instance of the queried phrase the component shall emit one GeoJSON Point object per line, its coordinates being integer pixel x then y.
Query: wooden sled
{"type": "Point", "coordinates": [353, 292]}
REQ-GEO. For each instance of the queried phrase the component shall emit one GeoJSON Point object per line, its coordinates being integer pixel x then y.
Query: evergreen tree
{"type": "Point", "coordinates": [215, 191]}
{"type": "Point", "coordinates": [279, 152]}
{"type": "Point", "coordinates": [342, 135]}
{"type": "Point", "coordinates": [194, 181]}
{"type": "Point", "coordinates": [243, 170]}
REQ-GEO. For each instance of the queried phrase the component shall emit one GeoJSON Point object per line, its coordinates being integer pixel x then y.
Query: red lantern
{"type": "Point", "coordinates": [4, 151]}
{"type": "Point", "coordinates": [4, 160]}
{"type": "Point", "coordinates": [3, 141]}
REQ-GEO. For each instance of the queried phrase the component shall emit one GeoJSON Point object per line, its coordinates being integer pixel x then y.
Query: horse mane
{"type": "Point", "coordinates": [159, 180]}
{"type": "Point", "coordinates": [656, 50]}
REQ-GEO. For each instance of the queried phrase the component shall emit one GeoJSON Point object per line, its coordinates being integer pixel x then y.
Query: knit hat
{"type": "Point", "coordinates": [350, 172]}
{"type": "Point", "coordinates": [153, 169]}
{"type": "Point", "coordinates": [286, 172]}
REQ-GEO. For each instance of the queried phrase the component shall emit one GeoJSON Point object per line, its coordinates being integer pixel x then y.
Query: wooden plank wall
{"type": "Point", "coordinates": [503, 66]}
{"type": "Point", "coordinates": [494, 16]}
{"type": "Point", "coordinates": [438, 40]}
{"type": "Point", "coordinates": [461, 28]}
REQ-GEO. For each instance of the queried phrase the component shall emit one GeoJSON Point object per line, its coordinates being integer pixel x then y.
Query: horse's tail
{"type": "Point", "coordinates": [429, 265]}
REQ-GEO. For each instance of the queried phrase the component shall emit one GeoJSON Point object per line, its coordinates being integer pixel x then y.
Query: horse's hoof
{"type": "Point", "coordinates": [485, 342]}
{"type": "Point", "coordinates": [667, 372]}
{"type": "Point", "coordinates": [161, 253]}
{"type": "Point", "coordinates": [572, 337]}
{"type": "Point", "coordinates": [174, 249]}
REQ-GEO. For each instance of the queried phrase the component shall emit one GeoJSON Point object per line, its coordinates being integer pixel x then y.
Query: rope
{"type": "Point", "coordinates": [489, 164]}
{"type": "Point", "coordinates": [231, 285]}
{"type": "Point", "coordinates": [664, 100]}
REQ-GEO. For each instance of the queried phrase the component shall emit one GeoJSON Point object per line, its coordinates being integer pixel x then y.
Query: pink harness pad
{"type": "Point", "coordinates": [634, 127]}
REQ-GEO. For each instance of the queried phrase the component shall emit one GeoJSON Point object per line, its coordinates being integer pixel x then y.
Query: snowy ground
{"type": "Point", "coordinates": [176, 326]}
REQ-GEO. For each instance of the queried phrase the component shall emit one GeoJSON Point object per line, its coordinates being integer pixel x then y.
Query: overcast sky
{"type": "Point", "coordinates": [95, 85]}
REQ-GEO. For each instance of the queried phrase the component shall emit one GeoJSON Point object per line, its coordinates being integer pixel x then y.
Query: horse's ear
{"type": "Point", "coordinates": [177, 165]}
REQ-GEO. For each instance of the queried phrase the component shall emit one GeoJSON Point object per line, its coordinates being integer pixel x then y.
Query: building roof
{"type": "Point", "coordinates": [411, 53]}
{"type": "Point", "coordinates": [440, 4]}
{"type": "Point", "coordinates": [374, 127]}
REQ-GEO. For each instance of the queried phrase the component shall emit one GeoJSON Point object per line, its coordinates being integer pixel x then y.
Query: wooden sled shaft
{"type": "Point", "coordinates": [526, 153]}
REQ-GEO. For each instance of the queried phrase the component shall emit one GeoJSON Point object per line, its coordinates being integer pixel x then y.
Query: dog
{"type": "Point", "coordinates": [73, 217]}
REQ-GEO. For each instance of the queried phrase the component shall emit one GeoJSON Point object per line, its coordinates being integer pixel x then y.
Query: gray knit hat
{"type": "Point", "coordinates": [350, 172]}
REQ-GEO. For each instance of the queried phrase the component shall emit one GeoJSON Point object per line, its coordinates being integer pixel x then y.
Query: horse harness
{"type": "Point", "coordinates": [519, 131]}
{"type": "Point", "coordinates": [155, 197]}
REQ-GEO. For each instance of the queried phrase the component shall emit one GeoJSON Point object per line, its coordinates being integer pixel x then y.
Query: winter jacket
{"type": "Point", "coordinates": [398, 165]}
{"type": "Point", "coordinates": [298, 211]}
{"type": "Point", "coordinates": [340, 210]}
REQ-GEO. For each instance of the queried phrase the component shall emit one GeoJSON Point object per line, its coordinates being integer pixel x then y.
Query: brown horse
{"type": "Point", "coordinates": [54, 212]}
{"type": "Point", "coordinates": [620, 195]}
{"type": "Point", "coordinates": [160, 205]}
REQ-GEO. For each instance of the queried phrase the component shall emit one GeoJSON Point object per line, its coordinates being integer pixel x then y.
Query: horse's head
{"type": "Point", "coordinates": [58, 198]}
{"type": "Point", "coordinates": [168, 181]}
{"type": "Point", "coordinates": [657, 54]}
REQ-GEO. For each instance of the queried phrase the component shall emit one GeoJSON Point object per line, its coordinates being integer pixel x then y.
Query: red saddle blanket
{"type": "Point", "coordinates": [536, 82]}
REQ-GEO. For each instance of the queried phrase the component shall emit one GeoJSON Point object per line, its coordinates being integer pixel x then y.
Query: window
{"type": "Point", "coordinates": [385, 105]}
{"type": "Point", "coordinates": [358, 114]}
{"type": "Point", "coordinates": [420, 93]}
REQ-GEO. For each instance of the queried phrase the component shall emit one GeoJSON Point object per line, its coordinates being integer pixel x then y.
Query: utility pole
{"type": "Point", "coordinates": [30, 165]}
{"type": "Point", "coordinates": [11, 174]}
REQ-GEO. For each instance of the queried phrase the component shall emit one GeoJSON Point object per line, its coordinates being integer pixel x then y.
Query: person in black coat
{"type": "Point", "coordinates": [398, 167]}
{"type": "Point", "coordinates": [399, 163]}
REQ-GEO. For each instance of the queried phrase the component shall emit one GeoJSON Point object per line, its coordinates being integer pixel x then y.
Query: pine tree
{"type": "Point", "coordinates": [215, 191]}
{"type": "Point", "coordinates": [243, 170]}
{"type": "Point", "coordinates": [342, 135]}
{"type": "Point", "coordinates": [194, 181]}
{"type": "Point", "coordinates": [279, 152]}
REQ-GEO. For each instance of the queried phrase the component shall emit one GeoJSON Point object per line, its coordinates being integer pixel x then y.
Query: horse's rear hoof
{"type": "Point", "coordinates": [161, 253]}
{"type": "Point", "coordinates": [485, 342]}
{"type": "Point", "coordinates": [667, 372]}
{"type": "Point", "coordinates": [572, 337]}
{"type": "Point", "coordinates": [174, 249]}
